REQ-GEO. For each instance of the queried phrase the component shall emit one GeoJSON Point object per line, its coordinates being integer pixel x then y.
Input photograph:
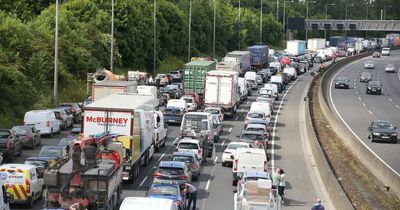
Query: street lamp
{"type": "Point", "coordinates": [112, 38]}
{"type": "Point", "coordinates": [366, 11]}
{"type": "Point", "coordinates": [154, 37]}
{"type": "Point", "coordinates": [326, 13]}
{"type": "Point", "coordinates": [215, 10]}
{"type": "Point", "coordinates": [307, 2]}
{"type": "Point", "coordinates": [349, 5]}
{"type": "Point", "coordinates": [239, 25]}
{"type": "Point", "coordinates": [261, 21]}
{"type": "Point", "coordinates": [284, 18]}
{"type": "Point", "coordinates": [190, 27]}
{"type": "Point", "coordinates": [384, 11]}
{"type": "Point", "coordinates": [55, 90]}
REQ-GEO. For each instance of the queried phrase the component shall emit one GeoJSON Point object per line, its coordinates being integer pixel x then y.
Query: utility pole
{"type": "Point", "coordinates": [261, 22]}
{"type": "Point", "coordinates": [239, 25]}
{"type": "Point", "coordinates": [215, 11]}
{"type": "Point", "coordinates": [55, 91]}
{"type": "Point", "coordinates": [112, 38]}
{"type": "Point", "coordinates": [190, 26]}
{"type": "Point", "coordinates": [154, 38]}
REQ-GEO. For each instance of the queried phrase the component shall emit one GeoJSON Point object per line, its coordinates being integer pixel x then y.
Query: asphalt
{"type": "Point", "coordinates": [357, 110]}
{"type": "Point", "coordinates": [215, 183]}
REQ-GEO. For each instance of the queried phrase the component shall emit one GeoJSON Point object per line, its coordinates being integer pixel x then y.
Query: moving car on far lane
{"type": "Point", "coordinates": [365, 77]}
{"type": "Point", "coordinates": [342, 82]}
{"type": "Point", "coordinates": [385, 51]}
{"type": "Point", "coordinates": [369, 65]}
{"type": "Point", "coordinates": [376, 54]}
{"type": "Point", "coordinates": [384, 131]}
{"type": "Point", "coordinates": [390, 68]}
{"type": "Point", "coordinates": [374, 87]}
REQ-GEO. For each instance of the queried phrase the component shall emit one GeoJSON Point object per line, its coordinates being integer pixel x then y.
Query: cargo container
{"type": "Point", "coordinates": [109, 87]}
{"type": "Point", "coordinates": [315, 44]}
{"type": "Point", "coordinates": [241, 58]}
{"type": "Point", "coordinates": [258, 56]}
{"type": "Point", "coordinates": [337, 41]}
{"type": "Point", "coordinates": [296, 47]}
{"type": "Point", "coordinates": [227, 66]}
{"type": "Point", "coordinates": [195, 74]}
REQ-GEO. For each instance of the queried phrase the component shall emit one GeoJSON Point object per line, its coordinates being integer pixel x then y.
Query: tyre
{"type": "Point", "coordinates": [51, 133]}
{"type": "Point", "coordinates": [33, 144]}
{"type": "Point", "coordinates": [223, 164]}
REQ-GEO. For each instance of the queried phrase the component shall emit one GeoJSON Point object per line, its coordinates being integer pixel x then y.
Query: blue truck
{"type": "Point", "coordinates": [337, 41]}
{"type": "Point", "coordinates": [258, 56]}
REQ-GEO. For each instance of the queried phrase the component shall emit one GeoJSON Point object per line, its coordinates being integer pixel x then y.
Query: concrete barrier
{"type": "Point", "coordinates": [371, 161]}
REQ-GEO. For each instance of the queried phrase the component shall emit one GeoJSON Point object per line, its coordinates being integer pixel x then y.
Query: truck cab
{"type": "Point", "coordinates": [160, 130]}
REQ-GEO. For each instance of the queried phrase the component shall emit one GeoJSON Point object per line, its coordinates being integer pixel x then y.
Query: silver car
{"type": "Point", "coordinates": [390, 68]}
{"type": "Point", "coordinates": [369, 65]}
{"type": "Point", "coordinates": [365, 77]}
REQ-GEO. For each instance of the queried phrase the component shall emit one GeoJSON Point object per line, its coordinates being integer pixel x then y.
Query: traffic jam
{"type": "Point", "coordinates": [117, 131]}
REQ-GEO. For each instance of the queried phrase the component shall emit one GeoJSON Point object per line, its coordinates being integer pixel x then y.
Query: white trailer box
{"type": "Point", "coordinates": [222, 90]}
{"type": "Point", "coordinates": [227, 66]}
{"type": "Point", "coordinates": [296, 47]}
{"type": "Point", "coordinates": [151, 91]}
{"type": "Point", "coordinates": [105, 88]}
{"type": "Point", "coordinates": [241, 58]}
{"type": "Point", "coordinates": [131, 118]}
{"type": "Point", "coordinates": [315, 44]}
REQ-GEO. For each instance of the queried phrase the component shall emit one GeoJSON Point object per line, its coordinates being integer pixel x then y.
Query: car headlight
{"type": "Point", "coordinates": [127, 167]}
{"type": "Point", "coordinates": [369, 88]}
{"type": "Point", "coordinates": [336, 83]}
{"type": "Point", "coordinates": [394, 134]}
{"type": "Point", "coordinates": [376, 134]}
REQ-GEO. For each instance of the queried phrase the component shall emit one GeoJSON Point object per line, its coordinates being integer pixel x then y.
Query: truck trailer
{"type": "Point", "coordinates": [195, 73]}
{"type": "Point", "coordinates": [258, 56]}
{"type": "Point", "coordinates": [296, 47]}
{"type": "Point", "coordinates": [315, 44]}
{"type": "Point", "coordinates": [131, 118]}
{"type": "Point", "coordinates": [108, 87]}
{"type": "Point", "coordinates": [222, 90]}
{"type": "Point", "coordinates": [240, 58]}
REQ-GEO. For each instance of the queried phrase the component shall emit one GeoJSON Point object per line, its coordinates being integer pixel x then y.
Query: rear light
{"type": "Point", "coordinates": [235, 165]}
{"type": "Point", "coordinates": [48, 123]}
{"type": "Point", "coordinates": [28, 188]}
{"type": "Point", "coordinates": [73, 109]}
{"type": "Point", "coordinates": [157, 175]}
{"type": "Point", "coordinates": [176, 149]}
{"type": "Point", "coordinates": [209, 136]}
{"type": "Point", "coordinates": [28, 137]}
{"type": "Point", "coordinates": [183, 177]}
{"type": "Point", "coordinates": [158, 137]}
{"type": "Point", "coordinates": [265, 166]}
{"type": "Point", "coordinates": [178, 203]}
{"type": "Point", "coordinates": [192, 165]}
{"type": "Point", "coordinates": [246, 120]}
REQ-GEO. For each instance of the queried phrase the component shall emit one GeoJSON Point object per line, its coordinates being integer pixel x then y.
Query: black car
{"type": "Point", "coordinates": [382, 131]}
{"type": "Point", "coordinates": [374, 87]}
{"type": "Point", "coordinates": [342, 82]}
{"type": "Point", "coordinates": [10, 144]}
{"type": "Point", "coordinates": [30, 136]}
{"type": "Point", "coordinates": [76, 111]}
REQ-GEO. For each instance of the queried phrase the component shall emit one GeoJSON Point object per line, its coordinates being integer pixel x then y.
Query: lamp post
{"type": "Point", "coordinates": [261, 21]}
{"type": "Point", "coordinates": [345, 16]}
{"type": "Point", "coordinates": [384, 11]}
{"type": "Point", "coordinates": [284, 18]}
{"type": "Point", "coordinates": [154, 37]}
{"type": "Point", "coordinates": [277, 10]}
{"type": "Point", "coordinates": [326, 13]}
{"type": "Point", "coordinates": [55, 90]}
{"type": "Point", "coordinates": [190, 27]}
{"type": "Point", "coordinates": [239, 26]}
{"type": "Point", "coordinates": [366, 11]}
{"type": "Point", "coordinates": [215, 10]}
{"type": "Point", "coordinates": [307, 2]}
{"type": "Point", "coordinates": [112, 38]}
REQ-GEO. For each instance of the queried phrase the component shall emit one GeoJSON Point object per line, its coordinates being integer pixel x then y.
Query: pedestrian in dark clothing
{"type": "Point", "coordinates": [191, 193]}
{"type": "Point", "coordinates": [318, 205]}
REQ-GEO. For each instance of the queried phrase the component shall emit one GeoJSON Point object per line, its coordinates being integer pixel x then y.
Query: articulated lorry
{"type": "Point", "coordinates": [240, 58]}
{"type": "Point", "coordinates": [195, 74]}
{"type": "Point", "coordinates": [222, 90]}
{"type": "Point", "coordinates": [130, 117]}
{"type": "Point", "coordinates": [258, 56]}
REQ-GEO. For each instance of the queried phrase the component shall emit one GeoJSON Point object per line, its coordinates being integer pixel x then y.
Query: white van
{"type": "Point", "coordinates": [246, 159]}
{"type": "Point", "coordinates": [291, 72]}
{"type": "Point", "coordinates": [262, 107]}
{"type": "Point", "coordinates": [145, 203]}
{"type": "Point", "coordinates": [179, 103]}
{"type": "Point", "coordinates": [251, 75]}
{"type": "Point", "coordinates": [149, 90]}
{"type": "Point", "coordinates": [24, 177]}
{"type": "Point", "coordinates": [243, 88]}
{"type": "Point", "coordinates": [43, 120]}
{"type": "Point", "coordinates": [274, 89]}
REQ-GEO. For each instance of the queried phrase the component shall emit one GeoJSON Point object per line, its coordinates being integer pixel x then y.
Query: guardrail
{"type": "Point", "coordinates": [367, 157]}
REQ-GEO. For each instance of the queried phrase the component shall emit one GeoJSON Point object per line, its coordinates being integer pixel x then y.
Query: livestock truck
{"type": "Point", "coordinates": [222, 90]}
{"type": "Point", "coordinates": [240, 58]}
{"type": "Point", "coordinates": [131, 118]}
{"type": "Point", "coordinates": [258, 56]}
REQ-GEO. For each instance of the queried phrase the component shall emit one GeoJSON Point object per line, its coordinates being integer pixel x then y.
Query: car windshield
{"type": "Point", "coordinates": [211, 111]}
{"type": "Point", "coordinates": [382, 125]}
{"type": "Point", "coordinates": [255, 115]}
{"type": "Point", "coordinates": [38, 163]}
{"type": "Point", "coordinates": [263, 100]}
{"type": "Point", "coordinates": [390, 66]}
{"type": "Point", "coordinates": [164, 190]}
{"type": "Point", "coordinates": [170, 170]}
{"type": "Point", "coordinates": [172, 111]}
{"type": "Point", "coordinates": [65, 141]}
{"type": "Point", "coordinates": [21, 130]}
{"type": "Point", "coordinates": [185, 159]}
{"type": "Point", "coordinates": [4, 134]}
{"type": "Point", "coordinates": [265, 91]}
{"type": "Point", "coordinates": [188, 100]}
{"type": "Point", "coordinates": [369, 62]}
{"type": "Point", "coordinates": [174, 72]}
{"type": "Point", "coordinates": [47, 152]}
{"type": "Point", "coordinates": [235, 146]}
{"type": "Point", "coordinates": [254, 129]}
{"type": "Point", "coordinates": [188, 146]}
{"type": "Point", "coordinates": [251, 136]}
{"type": "Point", "coordinates": [196, 122]}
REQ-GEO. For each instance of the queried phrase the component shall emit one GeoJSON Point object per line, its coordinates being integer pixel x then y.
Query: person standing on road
{"type": "Point", "coordinates": [275, 178]}
{"type": "Point", "coordinates": [282, 183]}
{"type": "Point", "coordinates": [318, 205]}
{"type": "Point", "coordinates": [191, 192]}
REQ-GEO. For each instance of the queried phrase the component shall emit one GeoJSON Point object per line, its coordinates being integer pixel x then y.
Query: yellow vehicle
{"type": "Point", "coordinates": [24, 182]}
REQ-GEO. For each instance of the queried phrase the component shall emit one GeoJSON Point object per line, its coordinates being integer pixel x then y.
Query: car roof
{"type": "Point", "coordinates": [189, 140]}
{"type": "Point", "coordinates": [252, 125]}
{"type": "Point", "coordinates": [260, 174]}
{"type": "Point", "coordinates": [52, 147]}
{"type": "Point", "coordinates": [172, 164]}
{"type": "Point", "coordinates": [382, 121]}
{"type": "Point", "coordinates": [239, 143]}
{"type": "Point", "coordinates": [17, 166]}
{"type": "Point", "coordinates": [251, 132]}
{"type": "Point", "coordinates": [46, 159]}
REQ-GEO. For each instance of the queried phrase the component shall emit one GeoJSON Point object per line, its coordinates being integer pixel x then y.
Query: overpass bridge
{"type": "Point", "coordinates": [355, 25]}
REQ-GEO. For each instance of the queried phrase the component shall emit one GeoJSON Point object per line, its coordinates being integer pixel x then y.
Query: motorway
{"type": "Point", "coordinates": [289, 151]}
{"type": "Point", "coordinates": [357, 110]}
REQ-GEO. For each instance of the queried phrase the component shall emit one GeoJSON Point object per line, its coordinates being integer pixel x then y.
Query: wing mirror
{"type": "Point", "coordinates": [232, 158]}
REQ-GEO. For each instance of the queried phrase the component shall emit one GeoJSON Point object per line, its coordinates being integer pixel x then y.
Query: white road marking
{"type": "Point", "coordinates": [348, 127]}
{"type": "Point", "coordinates": [230, 129]}
{"type": "Point", "coordinates": [364, 105]}
{"type": "Point", "coordinates": [223, 142]}
{"type": "Point", "coordinates": [141, 183]}
{"type": "Point", "coordinates": [215, 160]}
{"type": "Point", "coordinates": [370, 112]}
{"type": "Point", "coordinates": [208, 185]}
{"type": "Point", "coordinates": [161, 157]}
{"type": "Point", "coordinates": [398, 106]}
{"type": "Point", "coordinates": [390, 99]}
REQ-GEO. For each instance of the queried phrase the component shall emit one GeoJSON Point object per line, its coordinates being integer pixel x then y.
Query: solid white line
{"type": "Point", "coordinates": [208, 185]}
{"type": "Point", "coordinates": [161, 157]}
{"type": "Point", "coordinates": [215, 160]}
{"type": "Point", "coordinates": [223, 142]}
{"type": "Point", "coordinates": [230, 129]}
{"type": "Point", "coordinates": [370, 112]}
{"type": "Point", "coordinates": [348, 127]}
{"type": "Point", "coordinates": [141, 183]}
{"type": "Point", "coordinates": [276, 120]}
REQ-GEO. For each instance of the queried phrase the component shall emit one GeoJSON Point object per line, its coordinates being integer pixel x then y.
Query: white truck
{"type": "Point", "coordinates": [296, 47]}
{"type": "Point", "coordinates": [227, 66]}
{"type": "Point", "coordinates": [131, 118]}
{"type": "Point", "coordinates": [241, 58]}
{"type": "Point", "coordinates": [244, 91]}
{"type": "Point", "coordinates": [257, 195]}
{"type": "Point", "coordinates": [160, 130]}
{"type": "Point", "coordinates": [315, 44]}
{"type": "Point", "coordinates": [151, 91]}
{"type": "Point", "coordinates": [222, 90]}
{"type": "Point", "coordinates": [108, 87]}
